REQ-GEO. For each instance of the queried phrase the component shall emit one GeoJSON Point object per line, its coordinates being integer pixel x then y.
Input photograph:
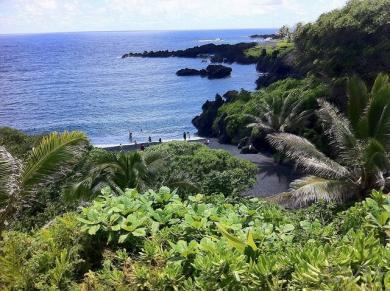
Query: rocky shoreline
{"type": "Point", "coordinates": [274, 67]}
{"type": "Point", "coordinates": [223, 53]}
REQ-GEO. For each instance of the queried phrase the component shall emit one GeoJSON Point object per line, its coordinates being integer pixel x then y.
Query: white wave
{"type": "Point", "coordinates": [210, 40]}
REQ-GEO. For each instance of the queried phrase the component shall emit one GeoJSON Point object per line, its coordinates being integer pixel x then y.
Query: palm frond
{"type": "Point", "coordinates": [306, 155]}
{"type": "Point", "coordinates": [378, 115]}
{"type": "Point", "coordinates": [381, 81]}
{"type": "Point", "coordinates": [260, 125]}
{"type": "Point", "coordinates": [9, 175]}
{"type": "Point", "coordinates": [311, 189]}
{"type": "Point", "coordinates": [88, 187]}
{"type": "Point", "coordinates": [52, 159]}
{"type": "Point", "coordinates": [375, 157]}
{"type": "Point", "coordinates": [338, 129]}
{"type": "Point", "coordinates": [280, 113]}
{"type": "Point", "coordinates": [357, 100]}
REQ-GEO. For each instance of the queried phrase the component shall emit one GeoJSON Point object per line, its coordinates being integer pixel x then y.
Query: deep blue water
{"type": "Point", "coordinates": [77, 81]}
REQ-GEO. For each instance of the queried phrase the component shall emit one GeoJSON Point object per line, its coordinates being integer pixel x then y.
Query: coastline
{"type": "Point", "coordinates": [272, 178]}
{"type": "Point", "coordinates": [134, 146]}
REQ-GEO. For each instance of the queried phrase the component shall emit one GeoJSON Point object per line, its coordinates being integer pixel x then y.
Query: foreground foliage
{"type": "Point", "coordinates": [158, 241]}
{"type": "Point", "coordinates": [51, 160]}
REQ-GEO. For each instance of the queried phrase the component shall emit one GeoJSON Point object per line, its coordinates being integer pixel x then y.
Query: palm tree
{"type": "Point", "coordinates": [118, 171]}
{"type": "Point", "coordinates": [51, 160]}
{"type": "Point", "coordinates": [360, 145]}
{"type": "Point", "coordinates": [280, 114]}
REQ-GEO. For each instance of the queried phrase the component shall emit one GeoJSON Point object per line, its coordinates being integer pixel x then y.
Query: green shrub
{"type": "Point", "coordinates": [47, 259]}
{"type": "Point", "coordinates": [204, 167]}
{"type": "Point", "coordinates": [215, 242]}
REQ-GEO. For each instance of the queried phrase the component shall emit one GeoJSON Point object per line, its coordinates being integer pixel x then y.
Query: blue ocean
{"type": "Point", "coordinates": [78, 81]}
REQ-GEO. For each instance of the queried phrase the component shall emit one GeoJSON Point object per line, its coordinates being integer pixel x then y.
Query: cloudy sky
{"type": "Point", "coordinates": [26, 16]}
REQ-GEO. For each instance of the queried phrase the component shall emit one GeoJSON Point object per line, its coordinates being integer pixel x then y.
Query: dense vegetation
{"type": "Point", "coordinates": [158, 241]}
{"type": "Point", "coordinates": [210, 171]}
{"type": "Point", "coordinates": [351, 40]}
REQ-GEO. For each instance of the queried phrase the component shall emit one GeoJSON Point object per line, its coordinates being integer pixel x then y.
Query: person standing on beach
{"type": "Point", "coordinates": [130, 136]}
{"type": "Point", "coordinates": [150, 139]}
{"type": "Point", "coordinates": [184, 136]}
{"type": "Point", "coordinates": [159, 140]}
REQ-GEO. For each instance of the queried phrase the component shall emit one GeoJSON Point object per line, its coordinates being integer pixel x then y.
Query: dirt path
{"type": "Point", "coordinates": [272, 178]}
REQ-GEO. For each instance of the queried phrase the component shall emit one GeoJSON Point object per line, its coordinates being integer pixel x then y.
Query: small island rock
{"type": "Point", "coordinates": [218, 71]}
{"type": "Point", "coordinates": [188, 72]}
{"type": "Point", "coordinates": [212, 72]}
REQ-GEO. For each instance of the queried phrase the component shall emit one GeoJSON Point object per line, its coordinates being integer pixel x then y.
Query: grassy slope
{"type": "Point", "coordinates": [283, 46]}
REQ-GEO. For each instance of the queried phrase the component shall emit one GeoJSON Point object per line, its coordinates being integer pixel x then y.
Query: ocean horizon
{"type": "Point", "coordinates": [78, 81]}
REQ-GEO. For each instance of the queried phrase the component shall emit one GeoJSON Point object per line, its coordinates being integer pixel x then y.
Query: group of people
{"type": "Point", "coordinates": [186, 136]}
{"type": "Point", "coordinates": [135, 142]}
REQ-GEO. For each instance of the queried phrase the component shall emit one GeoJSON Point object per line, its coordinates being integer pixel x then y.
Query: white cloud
{"type": "Point", "coordinates": [62, 15]}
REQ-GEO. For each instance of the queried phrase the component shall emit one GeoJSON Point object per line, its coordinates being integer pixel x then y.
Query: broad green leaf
{"type": "Point", "coordinates": [92, 230]}
{"type": "Point", "coordinates": [139, 232]}
{"type": "Point", "coordinates": [250, 241]}
{"type": "Point", "coordinates": [85, 221]}
{"type": "Point", "coordinates": [234, 241]}
{"type": "Point", "coordinates": [123, 238]}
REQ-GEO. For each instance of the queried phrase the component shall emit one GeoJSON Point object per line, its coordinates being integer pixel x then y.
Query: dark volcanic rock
{"type": "Point", "coordinates": [272, 35]}
{"type": "Point", "coordinates": [217, 59]}
{"type": "Point", "coordinates": [212, 72]}
{"type": "Point", "coordinates": [230, 95]}
{"type": "Point", "coordinates": [218, 71]}
{"type": "Point", "coordinates": [275, 68]}
{"type": "Point", "coordinates": [227, 53]}
{"type": "Point", "coordinates": [204, 121]}
{"type": "Point", "coordinates": [188, 72]}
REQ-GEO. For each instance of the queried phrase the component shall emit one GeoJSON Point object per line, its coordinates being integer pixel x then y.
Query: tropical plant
{"type": "Point", "coordinates": [51, 160]}
{"type": "Point", "coordinates": [262, 246]}
{"type": "Point", "coordinates": [119, 171]}
{"type": "Point", "coordinates": [360, 147]}
{"type": "Point", "coordinates": [203, 169]}
{"type": "Point", "coordinates": [280, 114]}
{"type": "Point", "coordinates": [161, 241]}
{"type": "Point", "coordinates": [46, 259]}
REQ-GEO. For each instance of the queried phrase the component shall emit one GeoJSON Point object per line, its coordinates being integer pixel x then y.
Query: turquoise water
{"type": "Point", "coordinates": [77, 81]}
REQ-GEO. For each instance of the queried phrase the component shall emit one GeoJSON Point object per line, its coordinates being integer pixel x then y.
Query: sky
{"type": "Point", "coordinates": [38, 16]}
